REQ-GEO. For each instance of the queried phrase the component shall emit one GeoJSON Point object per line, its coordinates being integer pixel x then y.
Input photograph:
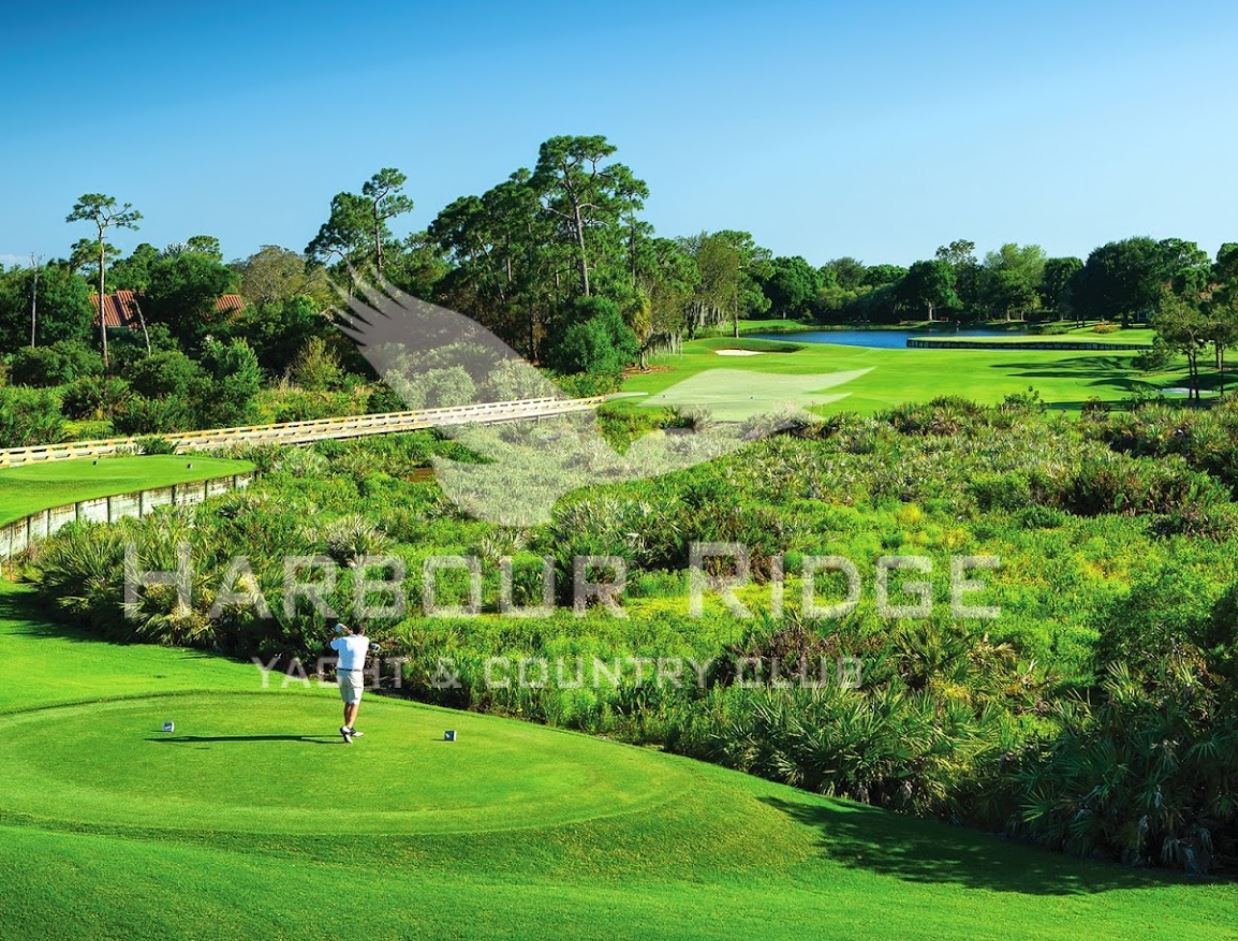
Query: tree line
{"type": "Point", "coordinates": [558, 260]}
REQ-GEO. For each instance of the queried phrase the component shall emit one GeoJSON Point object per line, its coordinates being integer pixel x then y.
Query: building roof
{"type": "Point", "coordinates": [120, 309]}
{"type": "Point", "coordinates": [230, 304]}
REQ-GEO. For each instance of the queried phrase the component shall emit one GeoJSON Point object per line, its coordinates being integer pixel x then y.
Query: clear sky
{"type": "Point", "coordinates": [879, 130]}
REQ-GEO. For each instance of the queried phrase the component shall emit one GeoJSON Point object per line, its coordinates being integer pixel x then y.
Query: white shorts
{"type": "Point", "coordinates": [352, 682]}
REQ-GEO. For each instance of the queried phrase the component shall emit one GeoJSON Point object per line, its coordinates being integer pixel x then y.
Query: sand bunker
{"type": "Point", "coordinates": [739, 352]}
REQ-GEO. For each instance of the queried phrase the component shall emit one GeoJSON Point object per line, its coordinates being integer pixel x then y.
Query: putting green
{"type": "Point", "coordinates": [226, 768]}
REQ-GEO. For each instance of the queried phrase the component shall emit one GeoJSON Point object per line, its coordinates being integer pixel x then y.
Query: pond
{"type": "Point", "coordinates": [879, 339]}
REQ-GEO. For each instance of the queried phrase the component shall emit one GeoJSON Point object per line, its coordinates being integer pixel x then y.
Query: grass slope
{"type": "Point", "coordinates": [1066, 379]}
{"type": "Point", "coordinates": [24, 490]}
{"type": "Point", "coordinates": [251, 820]}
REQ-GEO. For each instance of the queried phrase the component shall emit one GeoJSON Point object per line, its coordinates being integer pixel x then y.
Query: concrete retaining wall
{"type": "Point", "coordinates": [926, 344]}
{"type": "Point", "coordinates": [16, 536]}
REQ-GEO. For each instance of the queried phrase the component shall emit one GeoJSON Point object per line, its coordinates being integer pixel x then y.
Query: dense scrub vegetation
{"type": "Point", "coordinates": [1096, 714]}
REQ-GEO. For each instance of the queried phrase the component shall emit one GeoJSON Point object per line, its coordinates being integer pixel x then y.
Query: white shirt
{"type": "Point", "coordinates": [352, 650]}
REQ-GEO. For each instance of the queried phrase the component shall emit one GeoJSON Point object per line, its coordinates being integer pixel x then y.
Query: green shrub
{"type": "Point", "coordinates": [169, 372]}
{"type": "Point", "coordinates": [226, 396]}
{"type": "Point", "coordinates": [382, 398]}
{"type": "Point", "coordinates": [317, 366]}
{"type": "Point", "coordinates": [1057, 329]}
{"type": "Point", "coordinates": [587, 384]}
{"type": "Point", "coordinates": [127, 347]}
{"type": "Point", "coordinates": [1206, 440]}
{"type": "Point", "coordinates": [945, 415]}
{"type": "Point", "coordinates": [1008, 491]}
{"type": "Point", "coordinates": [1107, 484]}
{"type": "Point", "coordinates": [143, 416]}
{"type": "Point", "coordinates": [292, 404]}
{"type": "Point", "coordinates": [513, 379]}
{"type": "Point", "coordinates": [601, 344]}
{"type": "Point", "coordinates": [434, 388]}
{"type": "Point", "coordinates": [81, 577]}
{"type": "Point", "coordinates": [29, 416]}
{"type": "Point", "coordinates": [89, 430]}
{"type": "Point", "coordinates": [93, 398]}
{"type": "Point", "coordinates": [155, 445]}
{"type": "Point", "coordinates": [349, 538]}
{"type": "Point", "coordinates": [55, 365]}
{"type": "Point", "coordinates": [1155, 359]}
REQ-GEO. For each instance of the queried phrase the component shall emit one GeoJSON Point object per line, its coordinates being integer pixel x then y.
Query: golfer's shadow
{"type": "Point", "coordinates": [208, 739]}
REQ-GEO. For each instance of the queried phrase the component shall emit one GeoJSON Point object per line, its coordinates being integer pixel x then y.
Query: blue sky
{"type": "Point", "coordinates": [879, 130]}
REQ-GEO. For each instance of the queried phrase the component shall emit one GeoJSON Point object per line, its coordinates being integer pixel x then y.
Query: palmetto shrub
{"type": "Point", "coordinates": [95, 397]}
{"type": "Point", "coordinates": [613, 524]}
{"type": "Point", "coordinates": [1110, 484]}
{"type": "Point", "coordinates": [1007, 491]}
{"type": "Point", "coordinates": [1206, 440]}
{"type": "Point", "coordinates": [890, 747]}
{"type": "Point", "coordinates": [351, 537]}
{"type": "Point", "coordinates": [1148, 776]}
{"type": "Point", "coordinates": [140, 415]}
{"type": "Point", "coordinates": [302, 462]}
{"type": "Point", "coordinates": [83, 572]}
{"type": "Point", "coordinates": [945, 415]}
{"type": "Point", "coordinates": [81, 576]}
{"type": "Point", "coordinates": [292, 404]}
{"type": "Point", "coordinates": [1146, 768]}
{"type": "Point", "coordinates": [155, 445]}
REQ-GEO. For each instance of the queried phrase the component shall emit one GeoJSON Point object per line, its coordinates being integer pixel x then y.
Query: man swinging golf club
{"type": "Point", "coordinates": [352, 647]}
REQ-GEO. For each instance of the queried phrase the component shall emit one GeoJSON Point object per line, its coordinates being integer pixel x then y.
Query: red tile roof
{"type": "Point", "coordinates": [119, 309]}
{"type": "Point", "coordinates": [230, 304]}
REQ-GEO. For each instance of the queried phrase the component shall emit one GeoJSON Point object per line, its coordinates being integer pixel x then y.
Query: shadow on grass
{"type": "Point", "coordinates": [29, 616]}
{"type": "Point", "coordinates": [928, 851]}
{"type": "Point", "coordinates": [1114, 371]}
{"type": "Point", "coordinates": [206, 739]}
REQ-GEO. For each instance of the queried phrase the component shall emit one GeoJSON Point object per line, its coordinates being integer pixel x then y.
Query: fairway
{"type": "Point", "coordinates": [733, 395]}
{"type": "Point", "coordinates": [253, 818]}
{"type": "Point", "coordinates": [829, 378]}
{"type": "Point", "coordinates": [29, 488]}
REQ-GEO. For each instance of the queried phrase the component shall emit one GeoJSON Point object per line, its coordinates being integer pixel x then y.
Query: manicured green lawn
{"type": "Point", "coordinates": [762, 325]}
{"type": "Point", "coordinates": [25, 489]}
{"type": "Point", "coordinates": [253, 820]}
{"type": "Point", "coordinates": [877, 379]}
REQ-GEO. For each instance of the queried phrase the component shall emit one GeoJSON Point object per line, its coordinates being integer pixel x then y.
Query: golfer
{"type": "Point", "coordinates": [352, 647]}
